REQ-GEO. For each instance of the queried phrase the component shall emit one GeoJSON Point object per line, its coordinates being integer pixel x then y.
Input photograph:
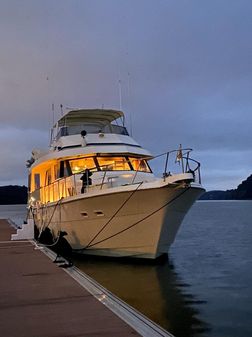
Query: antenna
{"type": "Point", "coordinates": [61, 109]}
{"type": "Point", "coordinates": [120, 93]}
{"type": "Point", "coordinates": [53, 112]}
{"type": "Point", "coordinates": [50, 118]}
{"type": "Point", "coordinates": [130, 112]}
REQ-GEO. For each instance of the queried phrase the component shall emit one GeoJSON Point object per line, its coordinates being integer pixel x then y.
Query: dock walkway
{"type": "Point", "coordinates": [39, 299]}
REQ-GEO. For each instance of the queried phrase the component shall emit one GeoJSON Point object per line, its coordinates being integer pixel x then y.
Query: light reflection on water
{"type": "Point", "coordinates": [204, 289]}
{"type": "Point", "coordinates": [154, 289]}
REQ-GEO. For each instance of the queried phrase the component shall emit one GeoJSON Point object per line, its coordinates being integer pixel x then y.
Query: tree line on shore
{"type": "Point", "coordinates": [14, 194]}
{"type": "Point", "coordinates": [242, 192]}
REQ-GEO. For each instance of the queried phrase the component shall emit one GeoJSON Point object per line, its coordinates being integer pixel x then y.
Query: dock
{"type": "Point", "coordinates": [40, 299]}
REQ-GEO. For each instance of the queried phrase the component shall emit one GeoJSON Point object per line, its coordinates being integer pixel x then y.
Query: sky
{"type": "Point", "coordinates": [185, 68]}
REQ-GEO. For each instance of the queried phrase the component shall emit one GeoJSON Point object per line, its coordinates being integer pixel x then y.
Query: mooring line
{"type": "Point", "coordinates": [139, 221]}
{"type": "Point", "coordinates": [118, 210]}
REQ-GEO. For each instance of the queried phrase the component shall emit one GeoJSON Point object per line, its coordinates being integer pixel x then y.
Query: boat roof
{"type": "Point", "coordinates": [101, 116]}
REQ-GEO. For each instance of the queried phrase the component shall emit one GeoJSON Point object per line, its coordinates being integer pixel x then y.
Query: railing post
{"type": "Point", "coordinates": [182, 162]}
{"type": "Point", "coordinates": [103, 178]}
{"type": "Point", "coordinates": [166, 164]}
{"type": "Point", "coordinates": [87, 180]}
{"type": "Point", "coordinates": [136, 171]}
{"type": "Point", "coordinates": [75, 189]}
{"type": "Point", "coordinates": [134, 177]}
{"type": "Point", "coordinates": [199, 174]}
{"type": "Point", "coordinates": [187, 159]}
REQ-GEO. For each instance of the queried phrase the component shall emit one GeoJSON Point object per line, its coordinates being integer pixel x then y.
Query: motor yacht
{"type": "Point", "coordinates": [96, 184]}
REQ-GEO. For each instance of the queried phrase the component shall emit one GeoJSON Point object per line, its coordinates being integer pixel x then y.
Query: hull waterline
{"type": "Point", "coordinates": [141, 223]}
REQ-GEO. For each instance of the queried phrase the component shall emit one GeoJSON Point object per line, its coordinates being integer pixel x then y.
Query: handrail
{"type": "Point", "coordinates": [185, 163]}
{"type": "Point", "coordinates": [103, 178]}
{"type": "Point", "coordinates": [183, 157]}
{"type": "Point", "coordinates": [51, 192]}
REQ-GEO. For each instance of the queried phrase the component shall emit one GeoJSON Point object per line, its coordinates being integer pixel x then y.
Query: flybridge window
{"type": "Point", "coordinates": [91, 128]}
{"type": "Point", "coordinates": [117, 129]}
{"type": "Point", "coordinates": [79, 165]}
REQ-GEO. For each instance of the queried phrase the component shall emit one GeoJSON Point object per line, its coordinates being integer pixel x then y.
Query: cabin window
{"type": "Point", "coordinates": [57, 171]}
{"type": "Point", "coordinates": [139, 165]}
{"type": "Point", "coordinates": [79, 165]}
{"type": "Point", "coordinates": [62, 169]}
{"type": "Point", "coordinates": [65, 169]}
{"type": "Point", "coordinates": [48, 177]}
{"type": "Point", "coordinates": [113, 163]}
{"type": "Point", "coordinates": [37, 181]}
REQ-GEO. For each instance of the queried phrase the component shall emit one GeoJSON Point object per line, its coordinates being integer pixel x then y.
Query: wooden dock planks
{"type": "Point", "coordinates": [37, 298]}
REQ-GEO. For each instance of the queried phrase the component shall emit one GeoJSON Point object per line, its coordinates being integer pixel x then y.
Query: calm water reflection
{"type": "Point", "coordinates": [206, 292]}
{"type": "Point", "coordinates": [156, 290]}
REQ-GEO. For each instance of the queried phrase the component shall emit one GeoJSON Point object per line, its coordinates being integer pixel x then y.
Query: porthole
{"type": "Point", "coordinates": [99, 213]}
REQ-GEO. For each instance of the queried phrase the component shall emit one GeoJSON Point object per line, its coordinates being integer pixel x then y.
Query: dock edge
{"type": "Point", "coordinates": [143, 325]}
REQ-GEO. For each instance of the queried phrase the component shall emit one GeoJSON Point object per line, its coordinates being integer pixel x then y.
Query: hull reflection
{"type": "Point", "coordinates": [154, 289]}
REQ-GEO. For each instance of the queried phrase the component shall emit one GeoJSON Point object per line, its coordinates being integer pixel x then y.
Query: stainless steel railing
{"type": "Point", "coordinates": [68, 186]}
{"type": "Point", "coordinates": [181, 159]}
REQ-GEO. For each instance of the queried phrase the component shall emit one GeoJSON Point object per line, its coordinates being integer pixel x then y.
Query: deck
{"type": "Point", "coordinates": [39, 299]}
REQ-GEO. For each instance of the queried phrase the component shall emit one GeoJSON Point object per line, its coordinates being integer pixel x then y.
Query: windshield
{"type": "Point", "coordinates": [109, 163]}
{"type": "Point", "coordinates": [79, 165]}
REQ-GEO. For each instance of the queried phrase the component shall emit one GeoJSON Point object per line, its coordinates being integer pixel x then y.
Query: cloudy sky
{"type": "Point", "coordinates": [185, 68]}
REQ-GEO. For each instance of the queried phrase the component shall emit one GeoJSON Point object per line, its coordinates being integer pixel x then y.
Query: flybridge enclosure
{"type": "Point", "coordinates": [100, 116]}
{"type": "Point", "coordinates": [90, 120]}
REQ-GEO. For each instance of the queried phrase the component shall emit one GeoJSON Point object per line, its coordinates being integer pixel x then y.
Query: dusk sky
{"type": "Point", "coordinates": [185, 69]}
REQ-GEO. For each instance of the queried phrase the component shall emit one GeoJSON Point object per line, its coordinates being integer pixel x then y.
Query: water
{"type": "Point", "coordinates": [205, 288]}
{"type": "Point", "coordinates": [16, 213]}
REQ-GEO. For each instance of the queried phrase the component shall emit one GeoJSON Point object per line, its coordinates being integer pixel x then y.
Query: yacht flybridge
{"type": "Point", "coordinates": [95, 183]}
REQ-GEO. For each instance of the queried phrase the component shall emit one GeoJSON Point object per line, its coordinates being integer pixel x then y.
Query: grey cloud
{"type": "Point", "coordinates": [16, 146]}
{"type": "Point", "coordinates": [185, 68]}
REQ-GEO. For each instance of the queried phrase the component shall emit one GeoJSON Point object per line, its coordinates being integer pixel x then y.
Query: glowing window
{"type": "Point", "coordinates": [48, 177]}
{"type": "Point", "coordinates": [139, 165]}
{"type": "Point", "coordinates": [79, 165]}
{"type": "Point", "coordinates": [57, 171]}
{"type": "Point", "coordinates": [36, 181]}
{"type": "Point", "coordinates": [113, 163]}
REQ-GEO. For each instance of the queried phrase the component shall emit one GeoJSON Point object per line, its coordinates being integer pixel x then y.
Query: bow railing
{"type": "Point", "coordinates": [176, 161]}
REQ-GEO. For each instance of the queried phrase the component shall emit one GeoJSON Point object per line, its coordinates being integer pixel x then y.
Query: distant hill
{"type": "Point", "coordinates": [242, 192]}
{"type": "Point", "coordinates": [11, 195]}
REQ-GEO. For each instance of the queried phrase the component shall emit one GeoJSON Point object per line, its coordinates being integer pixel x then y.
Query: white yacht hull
{"type": "Point", "coordinates": [128, 222]}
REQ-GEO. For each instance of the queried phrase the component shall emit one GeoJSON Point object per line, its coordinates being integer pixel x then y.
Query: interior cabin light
{"type": "Point", "coordinates": [31, 200]}
{"type": "Point", "coordinates": [127, 175]}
